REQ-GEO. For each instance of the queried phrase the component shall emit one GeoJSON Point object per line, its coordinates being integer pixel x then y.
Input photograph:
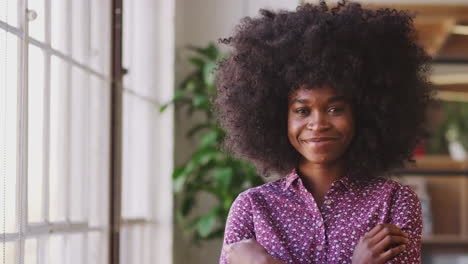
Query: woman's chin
{"type": "Point", "coordinates": [325, 157]}
{"type": "Point", "coordinates": [320, 159]}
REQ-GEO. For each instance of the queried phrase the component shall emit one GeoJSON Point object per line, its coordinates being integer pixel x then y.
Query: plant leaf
{"type": "Point", "coordinates": [197, 128]}
{"type": "Point", "coordinates": [209, 74]}
{"type": "Point", "coordinates": [179, 184]}
{"type": "Point", "coordinates": [203, 156]}
{"type": "Point", "coordinates": [179, 94]}
{"type": "Point", "coordinates": [206, 223]}
{"type": "Point", "coordinates": [188, 202]}
{"type": "Point", "coordinates": [208, 139]}
{"type": "Point", "coordinates": [180, 175]}
{"type": "Point", "coordinates": [163, 107]}
{"type": "Point", "coordinates": [223, 177]}
{"type": "Point", "coordinates": [210, 52]}
{"type": "Point", "coordinates": [197, 61]}
{"type": "Point", "coordinates": [218, 232]}
{"type": "Point", "coordinates": [200, 101]}
{"type": "Point", "coordinates": [177, 172]}
{"type": "Point", "coordinates": [190, 86]}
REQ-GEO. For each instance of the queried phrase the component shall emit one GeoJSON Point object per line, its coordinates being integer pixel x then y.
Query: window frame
{"type": "Point", "coordinates": [159, 219]}
{"type": "Point", "coordinates": [39, 231]}
{"type": "Point", "coordinates": [116, 133]}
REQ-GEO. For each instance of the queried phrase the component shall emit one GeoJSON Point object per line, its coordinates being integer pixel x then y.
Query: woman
{"type": "Point", "coordinates": [333, 99]}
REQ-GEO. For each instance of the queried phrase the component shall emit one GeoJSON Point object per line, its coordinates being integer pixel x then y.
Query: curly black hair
{"type": "Point", "coordinates": [370, 55]}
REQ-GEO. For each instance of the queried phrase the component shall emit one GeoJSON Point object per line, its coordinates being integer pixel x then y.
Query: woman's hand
{"type": "Point", "coordinates": [249, 251]}
{"type": "Point", "coordinates": [380, 244]}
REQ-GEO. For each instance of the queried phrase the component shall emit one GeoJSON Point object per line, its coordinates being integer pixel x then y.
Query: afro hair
{"type": "Point", "coordinates": [370, 55]}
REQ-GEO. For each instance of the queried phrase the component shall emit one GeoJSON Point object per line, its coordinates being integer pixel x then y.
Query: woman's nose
{"type": "Point", "coordinates": [318, 121]}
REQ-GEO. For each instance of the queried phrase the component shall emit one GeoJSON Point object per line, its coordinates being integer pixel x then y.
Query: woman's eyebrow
{"type": "Point", "coordinates": [337, 98]}
{"type": "Point", "coordinates": [330, 100]}
{"type": "Point", "coordinates": [299, 100]}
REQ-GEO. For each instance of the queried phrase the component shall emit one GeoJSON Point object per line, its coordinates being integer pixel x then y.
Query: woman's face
{"type": "Point", "coordinates": [320, 124]}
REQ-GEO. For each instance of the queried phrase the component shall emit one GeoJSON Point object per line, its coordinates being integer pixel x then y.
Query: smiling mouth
{"type": "Point", "coordinates": [319, 144]}
{"type": "Point", "coordinates": [317, 140]}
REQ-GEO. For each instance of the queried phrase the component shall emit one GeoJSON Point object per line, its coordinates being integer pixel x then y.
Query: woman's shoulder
{"type": "Point", "coordinates": [386, 187]}
{"type": "Point", "coordinates": [396, 186]}
{"type": "Point", "coordinates": [272, 186]}
{"type": "Point", "coordinates": [384, 183]}
{"type": "Point", "coordinates": [394, 189]}
{"type": "Point", "coordinates": [265, 191]}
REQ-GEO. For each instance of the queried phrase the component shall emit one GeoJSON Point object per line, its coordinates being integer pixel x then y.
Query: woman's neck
{"type": "Point", "coordinates": [317, 178]}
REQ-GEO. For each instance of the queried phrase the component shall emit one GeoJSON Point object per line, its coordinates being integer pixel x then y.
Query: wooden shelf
{"type": "Point", "coordinates": [431, 172]}
{"type": "Point", "coordinates": [448, 191]}
{"type": "Point", "coordinates": [438, 162]}
{"type": "Point", "coordinates": [433, 165]}
{"type": "Point", "coordinates": [444, 240]}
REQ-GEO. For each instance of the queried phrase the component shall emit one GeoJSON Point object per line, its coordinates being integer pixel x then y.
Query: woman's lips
{"type": "Point", "coordinates": [317, 139]}
{"type": "Point", "coordinates": [319, 142]}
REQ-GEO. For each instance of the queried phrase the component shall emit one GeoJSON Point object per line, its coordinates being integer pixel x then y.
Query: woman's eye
{"type": "Point", "coordinates": [301, 111]}
{"type": "Point", "coordinates": [335, 110]}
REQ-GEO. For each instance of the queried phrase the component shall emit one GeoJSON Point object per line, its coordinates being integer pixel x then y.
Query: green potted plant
{"type": "Point", "coordinates": [457, 130]}
{"type": "Point", "coordinates": [451, 134]}
{"type": "Point", "coordinates": [208, 170]}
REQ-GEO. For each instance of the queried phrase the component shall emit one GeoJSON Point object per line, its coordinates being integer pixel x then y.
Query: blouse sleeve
{"type": "Point", "coordinates": [239, 224]}
{"type": "Point", "coordinates": [406, 212]}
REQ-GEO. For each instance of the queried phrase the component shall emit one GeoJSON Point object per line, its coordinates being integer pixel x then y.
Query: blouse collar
{"type": "Point", "coordinates": [346, 181]}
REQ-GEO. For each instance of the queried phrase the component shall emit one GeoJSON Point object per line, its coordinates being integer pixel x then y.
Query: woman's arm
{"type": "Point", "coordinates": [406, 212]}
{"type": "Point", "coordinates": [403, 233]}
{"type": "Point", "coordinates": [239, 224]}
{"type": "Point", "coordinates": [380, 244]}
{"type": "Point", "coordinates": [249, 251]}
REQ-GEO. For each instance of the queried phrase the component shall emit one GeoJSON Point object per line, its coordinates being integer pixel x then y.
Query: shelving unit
{"type": "Point", "coordinates": [447, 183]}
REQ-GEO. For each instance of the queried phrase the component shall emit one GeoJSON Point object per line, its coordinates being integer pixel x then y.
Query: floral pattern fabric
{"type": "Point", "coordinates": [285, 219]}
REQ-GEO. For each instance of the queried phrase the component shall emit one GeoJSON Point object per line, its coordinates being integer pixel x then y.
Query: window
{"type": "Point", "coordinates": [54, 130]}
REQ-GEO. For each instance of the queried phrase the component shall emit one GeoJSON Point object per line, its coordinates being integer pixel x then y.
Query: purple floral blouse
{"type": "Point", "coordinates": [284, 218]}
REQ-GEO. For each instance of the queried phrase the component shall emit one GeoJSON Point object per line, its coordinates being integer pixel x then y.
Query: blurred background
{"type": "Point", "coordinates": [109, 151]}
